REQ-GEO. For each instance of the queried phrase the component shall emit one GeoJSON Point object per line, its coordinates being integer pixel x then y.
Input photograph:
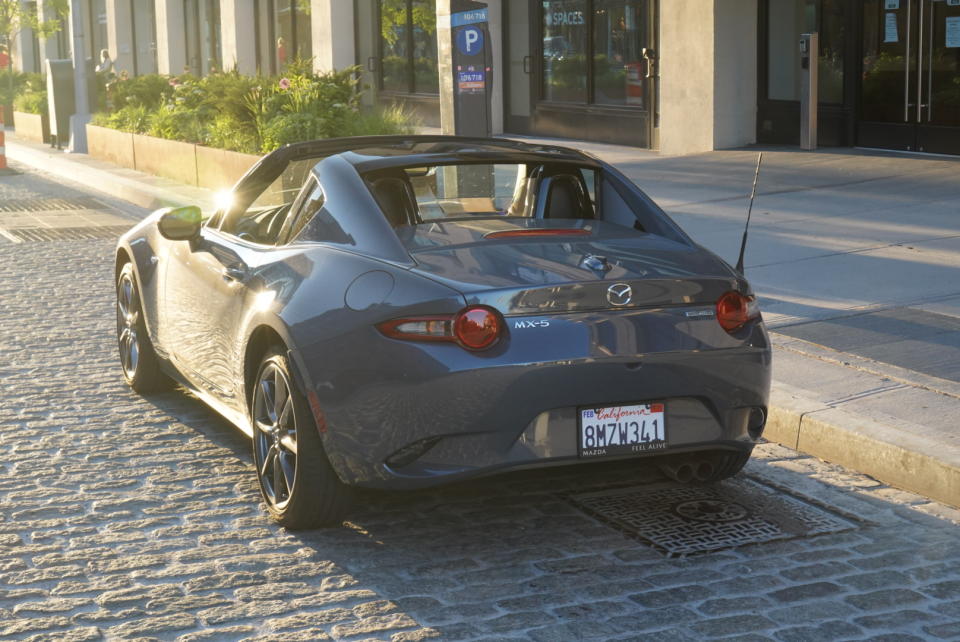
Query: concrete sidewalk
{"type": "Point", "coordinates": [855, 256]}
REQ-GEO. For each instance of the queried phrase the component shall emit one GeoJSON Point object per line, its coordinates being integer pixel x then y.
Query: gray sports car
{"type": "Point", "coordinates": [398, 312]}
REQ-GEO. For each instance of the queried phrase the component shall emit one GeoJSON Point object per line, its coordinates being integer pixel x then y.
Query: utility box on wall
{"type": "Point", "coordinates": [61, 97]}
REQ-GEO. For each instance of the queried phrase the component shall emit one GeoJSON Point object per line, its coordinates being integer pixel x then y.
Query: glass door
{"type": "Point", "coordinates": [910, 87]}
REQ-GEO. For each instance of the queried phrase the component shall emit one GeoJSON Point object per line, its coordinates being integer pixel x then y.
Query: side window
{"type": "Point", "coordinates": [615, 209]}
{"type": "Point", "coordinates": [590, 178]}
{"type": "Point", "coordinates": [311, 206]}
{"type": "Point", "coordinates": [263, 219]}
{"type": "Point", "coordinates": [315, 223]}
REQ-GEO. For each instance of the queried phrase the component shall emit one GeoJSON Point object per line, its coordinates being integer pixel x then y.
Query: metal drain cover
{"type": "Point", "coordinates": [49, 204]}
{"type": "Point", "coordinates": [684, 520]}
{"type": "Point", "coordinates": [21, 234]}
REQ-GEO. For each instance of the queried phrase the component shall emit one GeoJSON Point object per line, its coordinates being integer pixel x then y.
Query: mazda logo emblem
{"type": "Point", "coordinates": [619, 294]}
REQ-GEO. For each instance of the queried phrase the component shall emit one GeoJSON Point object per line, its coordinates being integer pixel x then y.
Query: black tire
{"type": "Point", "coordinates": [138, 360]}
{"type": "Point", "coordinates": [296, 480]}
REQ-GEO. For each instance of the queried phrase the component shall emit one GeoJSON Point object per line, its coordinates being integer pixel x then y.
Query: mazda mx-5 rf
{"type": "Point", "coordinates": [399, 312]}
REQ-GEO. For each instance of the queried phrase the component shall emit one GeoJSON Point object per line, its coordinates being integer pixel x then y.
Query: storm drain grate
{"type": "Point", "coordinates": [49, 204]}
{"type": "Point", "coordinates": [684, 520]}
{"type": "Point", "coordinates": [21, 234]}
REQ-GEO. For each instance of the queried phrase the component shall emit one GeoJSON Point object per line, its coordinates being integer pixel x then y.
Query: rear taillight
{"type": "Point", "coordinates": [734, 310]}
{"type": "Point", "coordinates": [475, 328]}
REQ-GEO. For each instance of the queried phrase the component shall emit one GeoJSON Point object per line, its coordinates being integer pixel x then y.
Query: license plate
{"type": "Point", "coordinates": [621, 430]}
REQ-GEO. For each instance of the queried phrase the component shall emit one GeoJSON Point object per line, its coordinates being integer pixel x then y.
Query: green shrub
{"type": "Point", "coordinates": [149, 90]}
{"type": "Point", "coordinates": [175, 122]}
{"type": "Point", "coordinates": [230, 133]}
{"type": "Point", "coordinates": [31, 102]}
{"type": "Point", "coordinates": [382, 121]}
{"type": "Point", "coordinates": [292, 127]}
{"type": "Point", "coordinates": [132, 118]}
{"type": "Point", "coordinates": [252, 114]}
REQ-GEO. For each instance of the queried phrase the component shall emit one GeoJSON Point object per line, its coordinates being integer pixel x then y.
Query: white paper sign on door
{"type": "Point", "coordinates": [891, 29]}
{"type": "Point", "coordinates": [953, 32]}
{"type": "Point", "coordinates": [895, 4]}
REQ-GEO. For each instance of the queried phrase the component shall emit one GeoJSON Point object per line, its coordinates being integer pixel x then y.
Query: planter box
{"type": "Point", "coordinates": [35, 127]}
{"type": "Point", "coordinates": [168, 158]}
{"type": "Point", "coordinates": [111, 145]}
{"type": "Point", "coordinates": [220, 169]}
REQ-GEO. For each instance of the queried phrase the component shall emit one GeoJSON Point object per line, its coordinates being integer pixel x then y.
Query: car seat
{"type": "Point", "coordinates": [565, 198]}
{"type": "Point", "coordinates": [396, 199]}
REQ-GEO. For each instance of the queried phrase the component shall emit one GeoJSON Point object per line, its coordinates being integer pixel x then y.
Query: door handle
{"type": "Point", "coordinates": [651, 57]}
{"type": "Point", "coordinates": [527, 67]}
{"type": "Point", "coordinates": [234, 273]}
{"type": "Point", "coordinates": [373, 63]}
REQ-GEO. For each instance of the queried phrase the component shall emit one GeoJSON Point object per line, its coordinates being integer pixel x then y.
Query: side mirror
{"type": "Point", "coordinates": [180, 223]}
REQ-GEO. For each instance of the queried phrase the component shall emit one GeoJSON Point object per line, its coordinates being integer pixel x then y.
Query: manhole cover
{"type": "Point", "coordinates": [49, 204]}
{"type": "Point", "coordinates": [21, 234]}
{"type": "Point", "coordinates": [684, 520]}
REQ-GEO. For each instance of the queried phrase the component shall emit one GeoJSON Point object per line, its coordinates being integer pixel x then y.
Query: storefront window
{"type": "Point", "coordinates": [787, 19]}
{"type": "Point", "coordinates": [424, 20]}
{"type": "Point", "coordinates": [202, 25]}
{"type": "Point", "coordinates": [593, 51]}
{"type": "Point", "coordinates": [283, 33]}
{"type": "Point", "coordinates": [408, 46]}
{"type": "Point", "coordinates": [619, 36]}
{"type": "Point", "coordinates": [393, 42]}
{"type": "Point", "coordinates": [833, 19]}
{"type": "Point", "coordinates": [98, 29]}
{"type": "Point", "coordinates": [565, 50]}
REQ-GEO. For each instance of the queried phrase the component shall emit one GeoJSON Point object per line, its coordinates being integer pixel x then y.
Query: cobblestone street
{"type": "Point", "coordinates": [130, 517]}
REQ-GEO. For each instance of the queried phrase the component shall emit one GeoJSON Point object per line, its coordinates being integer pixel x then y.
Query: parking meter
{"type": "Point", "coordinates": [809, 47]}
{"type": "Point", "coordinates": [472, 68]}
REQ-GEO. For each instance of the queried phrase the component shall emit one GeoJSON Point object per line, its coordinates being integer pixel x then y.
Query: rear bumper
{"type": "Point", "coordinates": [495, 415]}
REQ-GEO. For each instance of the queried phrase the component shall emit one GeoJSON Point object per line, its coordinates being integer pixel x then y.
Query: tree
{"type": "Point", "coordinates": [16, 15]}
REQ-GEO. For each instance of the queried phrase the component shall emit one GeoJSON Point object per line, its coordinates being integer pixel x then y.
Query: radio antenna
{"type": "Point", "coordinates": [753, 195]}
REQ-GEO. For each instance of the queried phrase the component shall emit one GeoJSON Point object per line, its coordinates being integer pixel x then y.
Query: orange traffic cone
{"type": "Point", "coordinates": [3, 151]}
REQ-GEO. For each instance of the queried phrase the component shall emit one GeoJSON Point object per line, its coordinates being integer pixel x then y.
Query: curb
{"type": "Point", "coordinates": [881, 451]}
{"type": "Point", "coordinates": [141, 189]}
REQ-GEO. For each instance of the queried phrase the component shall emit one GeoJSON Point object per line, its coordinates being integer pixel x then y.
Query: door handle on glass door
{"type": "Point", "coordinates": [527, 68]}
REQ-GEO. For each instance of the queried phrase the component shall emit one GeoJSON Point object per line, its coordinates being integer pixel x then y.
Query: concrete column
{"type": "Point", "coordinates": [120, 35]}
{"type": "Point", "coordinates": [332, 27]}
{"type": "Point", "coordinates": [171, 39]}
{"type": "Point", "coordinates": [238, 36]}
{"type": "Point", "coordinates": [445, 66]}
{"type": "Point", "coordinates": [735, 73]}
{"type": "Point", "coordinates": [708, 75]}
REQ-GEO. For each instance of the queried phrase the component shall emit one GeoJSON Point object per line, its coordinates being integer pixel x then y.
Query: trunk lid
{"type": "Point", "coordinates": [527, 266]}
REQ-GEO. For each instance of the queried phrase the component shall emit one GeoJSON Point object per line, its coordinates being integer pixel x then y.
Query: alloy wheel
{"type": "Point", "coordinates": [275, 435]}
{"type": "Point", "coordinates": [128, 314]}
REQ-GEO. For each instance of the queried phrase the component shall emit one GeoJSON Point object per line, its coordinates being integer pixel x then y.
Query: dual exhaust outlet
{"type": "Point", "coordinates": [689, 470]}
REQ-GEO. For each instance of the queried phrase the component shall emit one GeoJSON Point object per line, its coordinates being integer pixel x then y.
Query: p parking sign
{"type": "Point", "coordinates": [470, 41]}
{"type": "Point", "coordinates": [472, 67]}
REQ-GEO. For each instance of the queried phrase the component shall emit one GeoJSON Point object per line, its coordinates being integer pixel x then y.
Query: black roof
{"type": "Point", "coordinates": [369, 153]}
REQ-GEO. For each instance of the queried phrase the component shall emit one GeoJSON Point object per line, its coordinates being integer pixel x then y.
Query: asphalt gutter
{"type": "Point", "coordinates": [880, 448]}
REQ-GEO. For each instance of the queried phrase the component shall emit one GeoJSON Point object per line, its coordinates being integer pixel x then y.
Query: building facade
{"type": "Point", "coordinates": [679, 76]}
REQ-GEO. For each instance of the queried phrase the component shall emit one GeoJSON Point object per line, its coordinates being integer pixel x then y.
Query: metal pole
{"type": "Point", "coordinates": [79, 120]}
{"type": "Point", "coordinates": [809, 55]}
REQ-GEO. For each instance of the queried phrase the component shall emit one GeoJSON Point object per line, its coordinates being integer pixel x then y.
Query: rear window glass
{"type": "Point", "coordinates": [455, 191]}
